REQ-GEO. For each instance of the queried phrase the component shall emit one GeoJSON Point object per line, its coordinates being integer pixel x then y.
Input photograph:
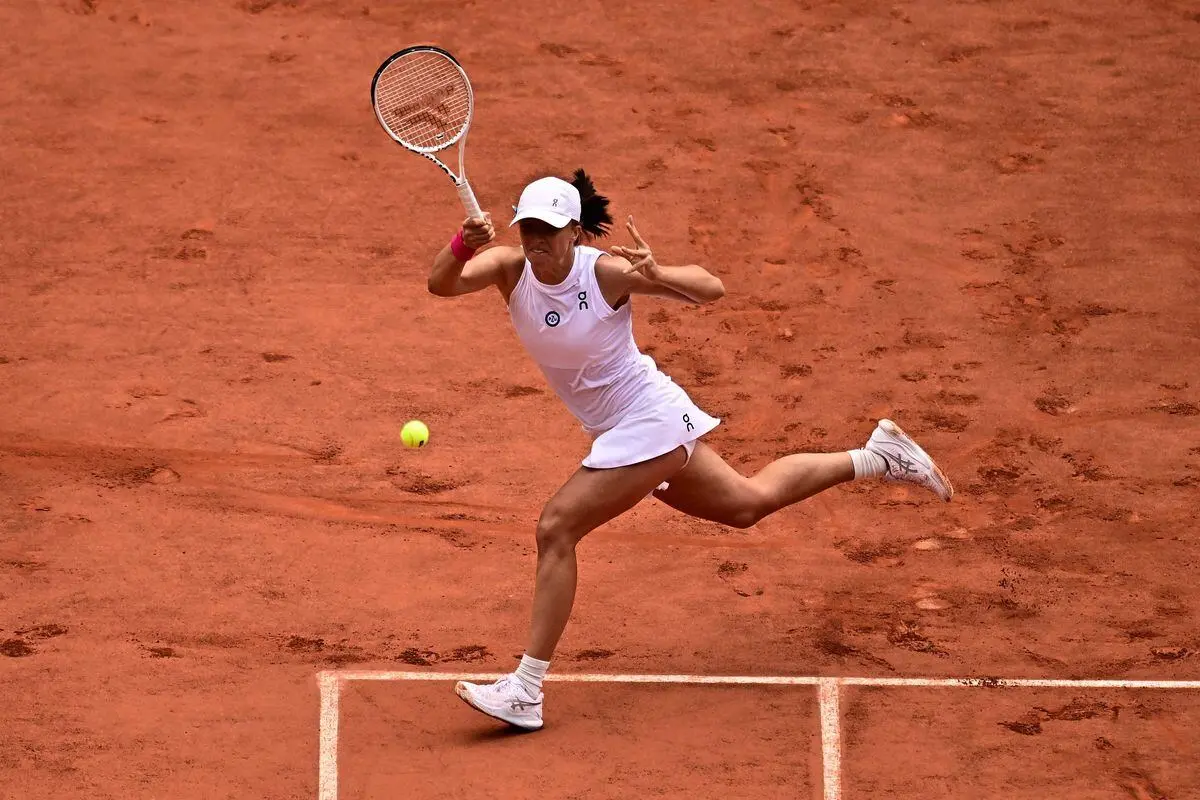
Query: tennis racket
{"type": "Point", "coordinates": [423, 99]}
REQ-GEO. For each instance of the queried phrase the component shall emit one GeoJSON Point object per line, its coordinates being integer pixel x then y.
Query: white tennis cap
{"type": "Point", "coordinates": [551, 200]}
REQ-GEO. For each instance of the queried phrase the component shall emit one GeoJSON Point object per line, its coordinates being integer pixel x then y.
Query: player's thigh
{"type": "Point", "coordinates": [709, 488]}
{"type": "Point", "coordinates": [592, 497]}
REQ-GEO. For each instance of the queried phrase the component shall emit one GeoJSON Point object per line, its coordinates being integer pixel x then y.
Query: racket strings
{"type": "Point", "coordinates": [423, 100]}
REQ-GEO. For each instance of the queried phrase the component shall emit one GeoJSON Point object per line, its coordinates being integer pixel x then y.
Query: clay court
{"type": "Point", "coordinates": [979, 219]}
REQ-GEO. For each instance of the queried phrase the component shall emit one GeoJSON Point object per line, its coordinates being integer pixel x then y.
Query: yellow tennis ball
{"type": "Point", "coordinates": [414, 433]}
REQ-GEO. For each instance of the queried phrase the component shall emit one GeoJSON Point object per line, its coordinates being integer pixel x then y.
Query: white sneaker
{"type": "Point", "coordinates": [506, 699]}
{"type": "Point", "coordinates": [906, 461]}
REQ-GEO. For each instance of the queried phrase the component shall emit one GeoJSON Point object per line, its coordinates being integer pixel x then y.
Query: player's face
{"type": "Point", "coordinates": [545, 244]}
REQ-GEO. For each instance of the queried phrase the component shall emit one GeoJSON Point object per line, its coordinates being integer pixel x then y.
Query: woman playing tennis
{"type": "Point", "coordinates": [570, 305]}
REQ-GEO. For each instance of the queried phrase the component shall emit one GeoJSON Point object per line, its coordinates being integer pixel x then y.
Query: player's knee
{"type": "Point", "coordinates": [751, 507]}
{"type": "Point", "coordinates": [744, 518]}
{"type": "Point", "coordinates": [555, 534]}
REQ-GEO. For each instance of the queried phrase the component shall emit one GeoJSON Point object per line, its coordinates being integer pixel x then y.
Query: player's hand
{"type": "Point", "coordinates": [478, 232]}
{"type": "Point", "coordinates": [640, 256]}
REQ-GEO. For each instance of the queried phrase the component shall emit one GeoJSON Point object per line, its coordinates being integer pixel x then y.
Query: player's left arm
{"type": "Point", "coordinates": [634, 270]}
{"type": "Point", "coordinates": [620, 278]}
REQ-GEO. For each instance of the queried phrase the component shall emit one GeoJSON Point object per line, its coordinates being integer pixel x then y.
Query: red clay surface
{"type": "Point", "coordinates": [1021, 744]}
{"type": "Point", "coordinates": [622, 741]}
{"type": "Point", "coordinates": [979, 219]}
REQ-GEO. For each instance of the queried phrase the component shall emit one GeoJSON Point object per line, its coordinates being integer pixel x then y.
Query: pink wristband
{"type": "Point", "coordinates": [460, 249]}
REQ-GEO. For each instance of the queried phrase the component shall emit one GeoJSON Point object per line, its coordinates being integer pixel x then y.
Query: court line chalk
{"type": "Point", "coordinates": [828, 696]}
{"type": "Point", "coordinates": [327, 776]}
{"type": "Point", "coordinates": [776, 680]}
{"type": "Point", "coordinates": [831, 738]}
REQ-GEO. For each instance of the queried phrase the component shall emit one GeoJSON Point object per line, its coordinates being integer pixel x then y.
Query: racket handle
{"type": "Point", "coordinates": [468, 199]}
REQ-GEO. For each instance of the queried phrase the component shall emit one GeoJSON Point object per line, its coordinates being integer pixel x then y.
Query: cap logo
{"type": "Point", "coordinates": [555, 202]}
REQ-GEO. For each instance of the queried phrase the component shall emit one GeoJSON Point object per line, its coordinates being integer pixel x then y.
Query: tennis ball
{"type": "Point", "coordinates": [414, 433]}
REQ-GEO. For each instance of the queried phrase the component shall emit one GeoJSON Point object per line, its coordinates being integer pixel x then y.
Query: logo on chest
{"type": "Point", "coordinates": [553, 318]}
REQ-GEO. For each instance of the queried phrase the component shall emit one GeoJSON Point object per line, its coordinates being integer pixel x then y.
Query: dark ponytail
{"type": "Point", "coordinates": [593, 208]}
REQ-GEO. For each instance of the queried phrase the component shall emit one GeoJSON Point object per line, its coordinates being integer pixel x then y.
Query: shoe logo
{"type": "Point", "coordinates": [524, 705]}
{"type": "Point", "coordinates": [902, 464]}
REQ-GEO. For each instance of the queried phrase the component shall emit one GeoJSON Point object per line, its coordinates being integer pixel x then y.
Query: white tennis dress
{"type": "Point", "coordinates": [585, 348]}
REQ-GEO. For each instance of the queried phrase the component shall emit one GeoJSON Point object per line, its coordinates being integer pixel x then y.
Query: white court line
{"type": "Point", "coordinates": [828, 694]}
{"type": "Point", "coordinates": [1021, 683]}
{"type": "Point", "coordinates": [831, 738]}
{"type": "Point", "coordinates": [327, 777]}
{"type": "Point", "coordinates": [776, 680]}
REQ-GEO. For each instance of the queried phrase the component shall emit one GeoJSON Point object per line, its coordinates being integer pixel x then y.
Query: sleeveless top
{"type": "Point", "coordinates": [583, 346]}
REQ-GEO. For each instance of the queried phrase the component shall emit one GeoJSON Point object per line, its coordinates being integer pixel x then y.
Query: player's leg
{"type": "Point", "coordinates": [590, 498]}
{"type": "Point", "coordinates": [710, 489]}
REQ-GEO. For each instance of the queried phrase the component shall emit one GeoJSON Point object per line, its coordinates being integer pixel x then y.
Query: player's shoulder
{"type": "Point", "coordinates": [510, 261]}
{"type": "Point", "coordinates": [611, 268]}
{"type": "Point", "coordinates": [608, 262]}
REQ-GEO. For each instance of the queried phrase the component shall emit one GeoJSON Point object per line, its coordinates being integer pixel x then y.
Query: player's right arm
{"type": "Point", "coordinates": [451, 276]}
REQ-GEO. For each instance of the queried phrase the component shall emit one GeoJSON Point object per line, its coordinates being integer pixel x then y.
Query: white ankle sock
{"type": "Point", "coordinates": [530, 672]}
{"type": "Point", "coordinates": [868, 464]}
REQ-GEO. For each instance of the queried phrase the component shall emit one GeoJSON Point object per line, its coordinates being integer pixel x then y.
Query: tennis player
{"type": "Point", "coordinates": [570, 304]}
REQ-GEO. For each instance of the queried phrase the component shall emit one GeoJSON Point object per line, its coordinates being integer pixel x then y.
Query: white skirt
{"type": "Point", "coordinates": [663, 419]}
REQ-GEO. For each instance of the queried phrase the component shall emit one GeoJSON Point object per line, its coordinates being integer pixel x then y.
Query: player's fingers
{"type": "Point", "coordinates": [637, 238]}
{"type": "Point", "coordinates": [630, 264]}
{"type": "Point", "coordinates": [481, 234]}
{"type": "Point", "coordinates": [629, 226]}
{"type": "Point", "coordinates": [639, 265]}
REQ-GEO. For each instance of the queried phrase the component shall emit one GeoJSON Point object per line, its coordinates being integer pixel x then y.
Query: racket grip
{"type": "Point", "coordinates": [468, 199]}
